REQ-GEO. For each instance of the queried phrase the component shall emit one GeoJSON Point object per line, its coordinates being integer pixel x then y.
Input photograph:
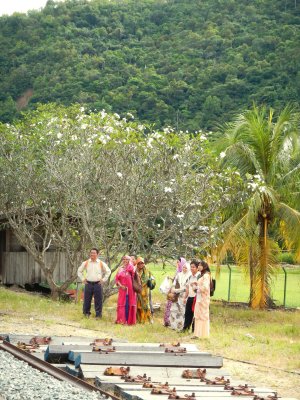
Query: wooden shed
{"type": "Point", "coordinates": [18, 267]}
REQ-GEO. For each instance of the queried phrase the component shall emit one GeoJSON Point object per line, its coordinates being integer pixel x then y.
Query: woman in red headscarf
{"type": "Point", "coordinates": [126, 305]}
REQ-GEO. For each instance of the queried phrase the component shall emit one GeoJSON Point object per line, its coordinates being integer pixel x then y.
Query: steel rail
{"type": "Point", "coordinates": [50, 369]}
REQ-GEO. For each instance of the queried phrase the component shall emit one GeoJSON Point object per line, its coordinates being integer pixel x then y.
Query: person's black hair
{"type": "Point", "coordinates": [195, 262]}
{"type": "Point", "coordinates": [95, 248]}
{"type": "Point", "coordinates": [205, 267]}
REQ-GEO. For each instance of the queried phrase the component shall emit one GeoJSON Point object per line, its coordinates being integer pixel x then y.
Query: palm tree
{"type": "Point", "coordinates": [265, 152]}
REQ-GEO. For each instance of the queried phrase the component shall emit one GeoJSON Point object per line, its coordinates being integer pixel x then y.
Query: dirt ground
{"type": "Point", "coordinates": [286, 384]}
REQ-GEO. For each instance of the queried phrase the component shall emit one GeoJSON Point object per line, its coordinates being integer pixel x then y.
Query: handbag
{"type": "Point", "coordinates": [151, 282]}
{"type": "Point", "coordinates": [173, 296]}
{"type": "Point", "coordinates": [166, 285]}
{"type": "Point", "coordinates": [136, 283]}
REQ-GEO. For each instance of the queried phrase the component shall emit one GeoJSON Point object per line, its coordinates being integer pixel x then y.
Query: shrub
{"type": "Point", "coordinates": [287, 258]}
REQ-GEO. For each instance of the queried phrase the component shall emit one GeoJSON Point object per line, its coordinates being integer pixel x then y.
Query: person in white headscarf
{"type": "Point", "coordinates": [178, 307]}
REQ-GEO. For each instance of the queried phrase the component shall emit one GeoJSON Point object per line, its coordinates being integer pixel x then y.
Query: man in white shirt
{"type": "Point", "coordinates": [93, 273]}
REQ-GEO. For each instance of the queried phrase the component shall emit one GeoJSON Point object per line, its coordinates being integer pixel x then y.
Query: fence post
{"type": "Point", "coordinates": [284, 290]}
{"type": "Point", "coordinates": [229, 286]}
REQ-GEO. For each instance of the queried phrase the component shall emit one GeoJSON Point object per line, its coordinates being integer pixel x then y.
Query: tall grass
{"type": "Point", "coordinates": [263, 337]}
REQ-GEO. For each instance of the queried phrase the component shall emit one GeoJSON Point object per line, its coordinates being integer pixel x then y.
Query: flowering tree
{"type": "Point", "coordinates": [81, 179]}
{"type": "Point", "coordinates": [34, 207]}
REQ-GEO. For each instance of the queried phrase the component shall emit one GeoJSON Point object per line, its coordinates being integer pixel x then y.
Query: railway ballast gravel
{"type": "Point", "coordinates": [19, 381]}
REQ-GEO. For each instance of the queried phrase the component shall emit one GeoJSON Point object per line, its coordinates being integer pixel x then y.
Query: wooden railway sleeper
{"type": "Point", "coordinates": [194, 373]}
{"type": "Point", "coordinates": [273, 396]}
{"type": "Point", "coordinates": [30, 348]}
{"type": "Point", "coordinates": [184, 397]}
{"type": "Point", "coordinates": [221, 381]}
{"type": "Point", "coordinates": [102, 342]}
{"type": "Point", "coordinates": [240, 390]}
{"type": "Point", "coordinates": [156, 385]}
{"type": "Point", "coordinates": [117, 371]}
{"type": "Point", "coordinates": [104, 349]}
{"type": "Point", "coordinates": [239, 387]}
{"type": "Point", "coordinates": [40, 340]}
{"type": "Point", "coordinates": [137, 379]}
{"type": "Point", "coordinates": [243, 392]}
{"type": "Point", "coordinates": [177, 350]}
{"type": "Point", "coordinates": [166, 391]}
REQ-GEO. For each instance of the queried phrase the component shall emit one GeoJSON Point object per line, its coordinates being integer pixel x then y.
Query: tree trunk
{"type": "Point", "coordinates": [109, 290]}
{"type": "Point", "coordinates": [260, 290]}
{"type": "Point", "coordinates": [55, 290]}
{"type": "Point", "coordinates": [264, 265]}
{"type": "Point", "coordinates": [55, 293]}
{"type": "Point", "coordinates": [252, 274]}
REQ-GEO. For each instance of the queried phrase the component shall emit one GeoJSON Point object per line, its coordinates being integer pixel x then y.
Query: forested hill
{"type": "Point", "coordinates": [185, 63]}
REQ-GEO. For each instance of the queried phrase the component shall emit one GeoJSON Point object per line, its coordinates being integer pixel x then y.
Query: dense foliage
{"type": "Point", "coordinates": [184, 63]}
{"type": "Point", "coordinates": [72, 180]}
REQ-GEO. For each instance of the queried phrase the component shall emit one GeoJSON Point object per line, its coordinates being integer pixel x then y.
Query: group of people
{"type": "Point", "coordinates": [132, 305]}
{"type": "Point", "coordinates": [188, 295]}
{"type": "Point", "coordinates": [188, 298]}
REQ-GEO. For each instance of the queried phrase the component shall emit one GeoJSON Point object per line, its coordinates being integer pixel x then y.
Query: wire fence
{"type": "Point", "coordinates": [233, 285]}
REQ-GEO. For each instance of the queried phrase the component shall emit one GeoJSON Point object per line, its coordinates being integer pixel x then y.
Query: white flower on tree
{"type": "Point", "coordinates": [86, 181]}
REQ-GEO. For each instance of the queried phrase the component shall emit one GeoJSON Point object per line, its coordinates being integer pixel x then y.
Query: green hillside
{"type": "Point", "coordinates": [186, 63]}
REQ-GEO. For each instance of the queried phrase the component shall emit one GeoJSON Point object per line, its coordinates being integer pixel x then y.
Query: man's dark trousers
{"type": "Point", "coordinates": [92, 289]}
{"type": "Point", "coordinates": [189, 314]}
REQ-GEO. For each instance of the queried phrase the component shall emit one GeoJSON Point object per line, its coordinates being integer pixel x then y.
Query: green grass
{"type": "Point", "coordinates": [239, 291]}
{"type": "Point", "coordinates": [262, 337]}
{"type": "Point", "coordinates": [240, 286]}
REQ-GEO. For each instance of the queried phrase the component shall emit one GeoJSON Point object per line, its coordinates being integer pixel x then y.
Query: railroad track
{"type": "Point", "coordinates": [127, 371]}
{"type": "Point", "coordinates": [53, 371]}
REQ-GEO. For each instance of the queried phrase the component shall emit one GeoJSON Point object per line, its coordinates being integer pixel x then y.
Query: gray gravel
{"type": "Point", "coordinates": [19, 381]}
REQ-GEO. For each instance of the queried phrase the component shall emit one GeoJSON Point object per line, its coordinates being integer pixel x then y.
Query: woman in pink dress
{"type": "Point", "coordinates": [201, 312]}
{"type": "Point", "coordinates": [126, 306]}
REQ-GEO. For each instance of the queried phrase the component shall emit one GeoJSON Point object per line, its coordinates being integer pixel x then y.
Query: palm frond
{"type": "Point", "coordinates": [290, 227]}
{"type": "Point", "coordinates": [291, 173]}
{"type": "Point", "coordinates": [261, 143]}
{"type": "Point", "coordinates": [243, 158]}
{"type": "Point", "coordinates": [283, 142]}
{"type": "Point", "coordinates": [235, 239]}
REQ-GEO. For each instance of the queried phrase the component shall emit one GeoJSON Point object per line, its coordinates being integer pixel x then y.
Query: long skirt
{"type": "Point", "coordinates": [201, 314]}
{"type": "Point", "coordinates": [167, 313]}
{"type": "Point", "coordinates": [177, 315]}
{"type": "Point", "coordinates": [126, 314]}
